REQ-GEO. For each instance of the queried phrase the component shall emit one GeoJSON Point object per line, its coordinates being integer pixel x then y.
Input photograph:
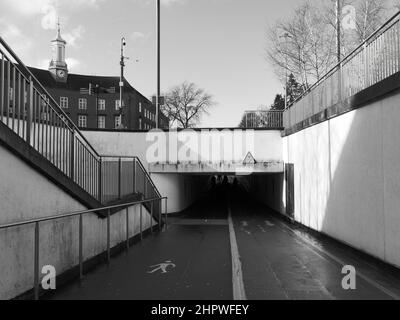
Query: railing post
{"type": "Point", "coordinates": [366, 66]}
{"type": "Point", "coordinates": [29, 112]}
{"type": "Point", "coordinates": [127, 229]}
{"type": "Point", "coordinates": [340, 79]}
{"type": "Point", "coordinates": [166, 213]}
{"type": "Point", "coordinates": [108, 236]}
{"type": "Point", "coordinates": [144, 185]}
{"type": "Point", "coordinates": [72, 155]}
{"type": "Point", "coordinates": [36, 262]}
{"type": "Point", "coordinates": [100, 180]}
{"type": "Point", "coordinates": [151, 216]}
{"type": "Point", "coordinates": [141, 221]}
{"type": "Point", "coordinates": [134, 175]}
{"type": "Point", "coordinates": [119, 177]}
{"type": "Point", "coordinates": [80, 246]}
{"type": "Point", "coordinates": [159, 214]}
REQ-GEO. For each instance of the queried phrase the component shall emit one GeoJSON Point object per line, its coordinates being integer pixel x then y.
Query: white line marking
{"type": "Point", "coordinates": [261, 228]}
{"type": "Point", "coordinates": [269, 224]}
{"type": "Point", "coordinates": [341, 262]}
{"type": "Point", "coordinates": [237, 275]}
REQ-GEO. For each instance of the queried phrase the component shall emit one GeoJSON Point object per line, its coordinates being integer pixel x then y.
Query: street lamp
{"type": "Point", "coordinates": [286, 35]}
{"type": "Point", "coordinates": [121, 81]}
{"type": "Point", "coordinates": [158, 6]}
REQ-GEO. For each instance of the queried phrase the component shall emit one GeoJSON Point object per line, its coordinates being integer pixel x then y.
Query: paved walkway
{"type": "Point", "coordinates": [278, 261]}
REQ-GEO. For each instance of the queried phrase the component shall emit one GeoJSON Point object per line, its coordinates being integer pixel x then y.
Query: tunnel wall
{"type": "Point", "coordinates": [25, 194]}
{"type": "Point", "coordinates": [347, 178]}
{"type": "Point", "coordinates": [181, 190]}
{"type": "Point", "coordinates": [269, 190]}
{"type": "Point", "coordinates": [265, 145]}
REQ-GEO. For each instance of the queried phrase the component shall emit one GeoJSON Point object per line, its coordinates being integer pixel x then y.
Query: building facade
{"type": "Point", "coordinates": [93, 102]}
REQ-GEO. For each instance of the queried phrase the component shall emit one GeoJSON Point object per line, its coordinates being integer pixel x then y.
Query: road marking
{"type": "Point", "coordinates": [269, 224]}
{"type": "Point", "coordinates": [162, 267]}
{"type": "Point", "coordinates": [340, 262]}
{"type": "Point", "coordinates": [237, 275]}
{"type": "Point", "coordinates": [261, 228]}
{"type": "Point", "coordinates": [201, 222]}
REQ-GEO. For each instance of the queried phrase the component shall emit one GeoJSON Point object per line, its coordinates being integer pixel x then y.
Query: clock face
{"type": "Point", "coordinates": [61, 73]}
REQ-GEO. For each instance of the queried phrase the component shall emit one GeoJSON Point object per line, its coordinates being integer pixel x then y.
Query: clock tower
{"type": "Point", "coordinates": [58, 67]}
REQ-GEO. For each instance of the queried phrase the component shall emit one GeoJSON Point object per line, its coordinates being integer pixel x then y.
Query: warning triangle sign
{"type": "Point", "coordinates": [249, 159]}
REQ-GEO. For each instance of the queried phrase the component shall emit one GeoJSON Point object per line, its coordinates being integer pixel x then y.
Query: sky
{"type": "Point", "coordinates": [217, 44]}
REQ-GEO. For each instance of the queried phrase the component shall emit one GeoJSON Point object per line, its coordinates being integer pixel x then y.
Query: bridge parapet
{"type": "Point", "coordinates": [373, 61]}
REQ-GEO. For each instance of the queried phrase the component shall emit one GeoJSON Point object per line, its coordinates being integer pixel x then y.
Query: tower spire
{"type": "Point", "coordinates": [58, 66]}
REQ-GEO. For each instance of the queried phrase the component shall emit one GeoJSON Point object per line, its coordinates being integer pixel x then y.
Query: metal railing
{"type": "Point", "coordinates": [30, 112]}
{"type": "Point", "coordinates": [263, 119]}
{"type": "Point", "coordinates": [125, 175]}
{"type": "Point", "coordinates": [377, 58]}
{"type": "Point", "coordinates": [80, 214]}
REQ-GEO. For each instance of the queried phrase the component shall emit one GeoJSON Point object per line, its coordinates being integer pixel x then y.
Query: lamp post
{"type": "Point", "coordinates": [338, 29]}
{"type": "Point", "coordinates": [121, 81]}
{"type": "Point", "coordinates": [158, 62]}
{"type": "Point", "coordinates": [97, 104]}
{"type": "Point", "coordinates": [286, 35]}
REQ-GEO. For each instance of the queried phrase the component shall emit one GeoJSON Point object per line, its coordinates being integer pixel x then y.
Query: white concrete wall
{"type": "Point", "coordinates": [193, 146]}
{"type": "Point", "coordinates": [218, 146]}
{"type": "Point", "coordinates": [26, 194]}
{"type": "Point", "coordinates": [347, 178]}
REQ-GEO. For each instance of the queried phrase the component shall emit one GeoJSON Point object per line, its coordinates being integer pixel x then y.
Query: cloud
{"type": "Point", "coordinates": [137, 35]}
{"type": "Point", "coordinates": [74, 64]}
{"type": "Point", "coordinates": [20, 43]}
{"type": "Point", "coordinates": [49, 10]}
{"type": "Point", "coordinates": [171, 2]}
{"type": "Point", "coordinates": [50, 16]}
{"type": "Point", "coordinates": [166, 3]}
{"type": "Point", "coordinates": [74, 36]}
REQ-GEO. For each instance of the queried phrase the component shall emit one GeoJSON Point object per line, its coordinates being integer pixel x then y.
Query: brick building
{"type": "Point", "coordinates": [93, 101]}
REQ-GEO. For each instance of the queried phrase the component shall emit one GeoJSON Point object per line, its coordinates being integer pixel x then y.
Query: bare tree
{"type": "Point", "coordinates": [302, 45]}
{"type": "Point", "coordinates": [186, 103]}
{"type": "Point", "coordinates": [370, 16]}
{"type": "Point", "coordinates": [305, 44]}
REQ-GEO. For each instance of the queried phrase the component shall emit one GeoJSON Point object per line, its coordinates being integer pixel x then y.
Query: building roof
{"type": "Point", "coordinates": [76, 82]}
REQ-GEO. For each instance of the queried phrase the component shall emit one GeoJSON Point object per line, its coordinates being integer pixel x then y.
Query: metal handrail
{"type": "Point", "coordinates": [77, 213]}
{"type": "Point", "coordinates": [126, 206]}
{"type": "Point", "coordinates": [344, 60]}
{"type": "Point", "coordinates": [31, 75]}
{"type": "Point", "coordinates": [49, 130]}
{"type": "Point", "coordinates": [272, 119]}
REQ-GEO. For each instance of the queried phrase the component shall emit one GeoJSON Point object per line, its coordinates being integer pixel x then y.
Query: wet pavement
{"type": "Point", "coordinates": [278, 260]}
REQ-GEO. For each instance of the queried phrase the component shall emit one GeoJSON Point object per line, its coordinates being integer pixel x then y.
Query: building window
{"type": "Point", "coordinates": [140, 107]}
{"type": "Point", "coordinates": [82, 104]}
{"type": "Point", "coordinates": [82, 121]}
{"type": "Point", "coordinates": [117, 121]}
{"type": "Point", "coordinates": [101, 122]}
{"type": "Point", "coordinates": [140, 123]}
{"type": "Point", "coordinates": [64, 102]}
{"type": "Point", "coordinates": [101, 104]}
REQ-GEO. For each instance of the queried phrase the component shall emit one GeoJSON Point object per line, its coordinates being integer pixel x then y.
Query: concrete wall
{"type": "Point", "coordinates": [347, 178]}
{"type": "Point", "coordinates": [25, 194]}
{"type": "Point", "coordinates": [270, 190]}
{"type": "Point", "coordinates": [190, 146]}
{"type": "Point", "coordinates": [186, 147]}
{"type": "Point", "coordinates": [181, 190]}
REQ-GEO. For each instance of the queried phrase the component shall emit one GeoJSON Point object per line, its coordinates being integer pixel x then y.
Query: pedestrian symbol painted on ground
{"type": "Point", "coordinates": [162, 267]}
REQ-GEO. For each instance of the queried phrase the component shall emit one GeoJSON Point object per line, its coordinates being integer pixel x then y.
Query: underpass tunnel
{"type": "Point", "coordinates": [205, 195]}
